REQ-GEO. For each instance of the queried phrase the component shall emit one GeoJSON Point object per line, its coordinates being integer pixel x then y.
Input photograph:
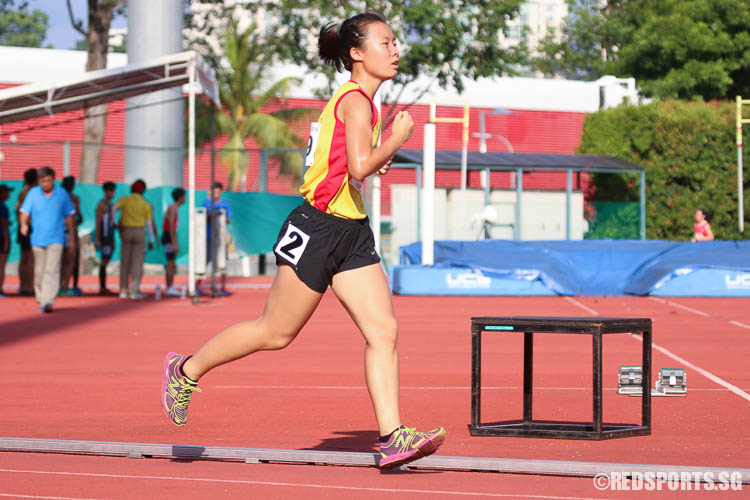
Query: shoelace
{"type": "Point", "coordinates": [183, 397]}
{"type": "Point", "coordinates": [411, 435]}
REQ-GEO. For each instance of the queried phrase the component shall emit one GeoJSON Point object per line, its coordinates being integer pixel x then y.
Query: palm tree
{"type": "Point", "coordinates": [241, 77]}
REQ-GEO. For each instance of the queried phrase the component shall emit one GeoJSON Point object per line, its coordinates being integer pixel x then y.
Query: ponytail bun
{"type": "Point", "coordinates": [335, 42]}
{"type": "Point", "coordinates": [330, 46]}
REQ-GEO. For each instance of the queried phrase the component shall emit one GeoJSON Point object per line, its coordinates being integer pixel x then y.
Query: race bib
{"type": "Point", "coordinates": [292, 245]}
{"type": "Point", "coordinates": [312, 143]}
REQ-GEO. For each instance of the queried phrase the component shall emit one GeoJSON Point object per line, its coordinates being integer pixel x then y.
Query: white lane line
{"type": "Point", "coordinates": [581, 305]}
{"type": "Point", "coordinates": [680, 306]}
{"type": "Point", "coordinates": [18, 495]}
{"type": "Point", "coordinates": [299, 485]}
{"type": "Point", "coordinates": [697, 311]}
{"type": "Point", "coordinates": [710, 376]}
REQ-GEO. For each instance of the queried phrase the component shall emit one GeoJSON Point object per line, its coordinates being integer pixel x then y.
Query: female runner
{"type": "Point", "coordinates": [702, 227]}
{"type": "Point", "coordinates": [327, 241]}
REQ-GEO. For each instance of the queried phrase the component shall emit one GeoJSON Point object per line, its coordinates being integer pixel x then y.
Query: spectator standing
{"type": "Point", "coordinates": [219, 205]}
{"type": "Point", "coordinates": [136, 215]}
{"type": "Point", "coordinates": [105, 233]}
{"type": "Point", "coordinates": [72, 251]}
{"type": "Point", "coordinates": [26, 264]}
{"type": "Point", "coordinates": [702, 228]}
{"type": "Point", "coordinates": [170, 240]}
{"type": "Point", "coordinates": [50, 210]}
{"type": "Point", "coordinates": [4, 233]}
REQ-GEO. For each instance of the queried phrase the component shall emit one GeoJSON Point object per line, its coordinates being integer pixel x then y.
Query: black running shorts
{"type": "Point", "coordinates": [166, 240]}
{"type": "Point", "coordinates": [107, 247]}
{"type": "Point", "coordinates": [318, 245]}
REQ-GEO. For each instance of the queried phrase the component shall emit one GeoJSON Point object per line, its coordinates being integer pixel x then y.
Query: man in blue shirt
{"type": "Point", "coordinates": [219, 206]}
{"type": "Point", "coordinates": [50, 209]}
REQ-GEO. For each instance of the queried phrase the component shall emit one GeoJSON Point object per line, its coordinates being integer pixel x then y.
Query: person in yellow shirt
{"type": "Point", "coordinates": [327, 241]}
{"type": "Point", "coordinates": [134, 219]}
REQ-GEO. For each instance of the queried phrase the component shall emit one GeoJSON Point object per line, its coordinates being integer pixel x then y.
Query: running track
{"type": "Point", "coordinates": [92, 371]}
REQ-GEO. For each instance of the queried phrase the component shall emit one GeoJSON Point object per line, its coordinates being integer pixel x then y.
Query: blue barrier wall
{"type": "Point", "coordinates": [595, 268]}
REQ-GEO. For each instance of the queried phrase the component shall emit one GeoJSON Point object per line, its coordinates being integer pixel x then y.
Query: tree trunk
{"type": "Point", "coordinates": [97, 45]}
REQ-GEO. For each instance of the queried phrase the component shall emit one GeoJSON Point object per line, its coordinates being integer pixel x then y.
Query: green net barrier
{"type": "Point", "coordinates": [256, 218]}
{"type": "Point", "coordinates": [612, 220]}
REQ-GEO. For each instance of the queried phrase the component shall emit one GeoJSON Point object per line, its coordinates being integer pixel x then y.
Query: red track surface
{"type": "Point", "coordinates": [91, 371]}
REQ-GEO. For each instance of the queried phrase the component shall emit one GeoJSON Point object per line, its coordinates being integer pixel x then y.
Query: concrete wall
{"type": "Point", "coordinates": [543, 216]}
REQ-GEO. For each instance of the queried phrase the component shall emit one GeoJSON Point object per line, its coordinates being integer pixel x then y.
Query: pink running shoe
{"type": "Point", "coordinates": [176, 389]}
{"type": "Point", "coordinates": [407, 445]}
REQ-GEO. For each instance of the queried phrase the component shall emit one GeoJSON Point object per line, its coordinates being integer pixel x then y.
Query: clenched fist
{"type": "Point", "coordinates": [403, 126]}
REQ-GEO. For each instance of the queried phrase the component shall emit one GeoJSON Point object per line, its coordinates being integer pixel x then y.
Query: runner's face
{"type": "Point", "coordinates": [380, 52]}
{"type": "Point", "coordinates": [109, 194]}
{"type": "Point", "coordinates": [47, 182]}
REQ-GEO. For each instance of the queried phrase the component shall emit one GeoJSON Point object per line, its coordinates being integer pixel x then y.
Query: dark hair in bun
{"type": "Point", "coordinates": [334, 42]}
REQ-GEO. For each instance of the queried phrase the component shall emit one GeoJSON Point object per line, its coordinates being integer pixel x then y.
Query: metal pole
{"type": "Point", "coordinates": [66, 158]}
{"type": "Point", "coordinates": [263, 170]}
{"type": "Point", "coordinates": [482, 136]}
{"type": "Point", "coordinates": [191, 180]}
{"type": "Point", "coordinates": [212, 215]}
{"type": "Point", "coordinates": [740, 201]}
{"type": "Point", "coordinates": [465, 148]}
{"type": "Point", "coordinates": [643, 205]}
{"type": "Point", "coordinates": [486, 173]}
{"type": "Point", "coordinates": [419, 202]}
{"type": "Point", "coordinates": [428, 196]}
{"type": "Point", "coordinates": [568, 199]}
{"type": "Point", "coordinates": [519, 189]}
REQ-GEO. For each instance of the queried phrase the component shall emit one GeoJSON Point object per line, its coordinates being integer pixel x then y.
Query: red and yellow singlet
{"type": "Point", "coordinates": [328, 185]}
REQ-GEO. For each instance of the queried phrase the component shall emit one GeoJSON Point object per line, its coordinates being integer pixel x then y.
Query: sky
{"type": "Point", "coordinates": [61, 34]}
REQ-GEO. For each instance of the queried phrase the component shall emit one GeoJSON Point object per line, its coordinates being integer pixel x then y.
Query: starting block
{"type": "Point", "coordinates": [630, 380]}
{"type": "Point", "coordinates": [670, 382]}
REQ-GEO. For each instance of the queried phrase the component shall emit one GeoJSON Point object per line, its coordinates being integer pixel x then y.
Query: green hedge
{"type": "Point", "coordinates": [690, 153]}
{"type": "Point", "coordinates": [612, 220]}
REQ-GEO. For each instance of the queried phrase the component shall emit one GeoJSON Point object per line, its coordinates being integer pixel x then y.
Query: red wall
{"type": "Point", "coordinates": [39, 142]}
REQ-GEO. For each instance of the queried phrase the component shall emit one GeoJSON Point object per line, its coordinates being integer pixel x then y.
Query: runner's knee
{"type": "Point", "coordinates": [383, 333]}
{"type": "Point", "coordinates": [277, 337]}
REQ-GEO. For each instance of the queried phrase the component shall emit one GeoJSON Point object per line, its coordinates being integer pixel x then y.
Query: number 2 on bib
{"type": "Point", "coordinates": [292, 245]}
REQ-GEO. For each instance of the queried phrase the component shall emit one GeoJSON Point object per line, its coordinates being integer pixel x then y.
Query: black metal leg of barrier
{"type": "Point", "coordinates": [597, 347]}
{"type": "Point", "coordinates": [476, 375]}
{"type": "Point", "coordinates": [646, 399]}
{"type": "Point", "coordinates": [528, 374]}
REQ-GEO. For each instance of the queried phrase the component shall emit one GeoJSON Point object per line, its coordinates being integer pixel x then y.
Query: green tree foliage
{"type": "Point", "coordinates": [244, 92]}
{"type": "Point", "coordinates": [443, 41]}
{"type": "Point", "coordinates": [688, 49]}
{"type": "Point", "coordinates": [21, 27]}
{"type": "Point", "coordinates": [690, 153]}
